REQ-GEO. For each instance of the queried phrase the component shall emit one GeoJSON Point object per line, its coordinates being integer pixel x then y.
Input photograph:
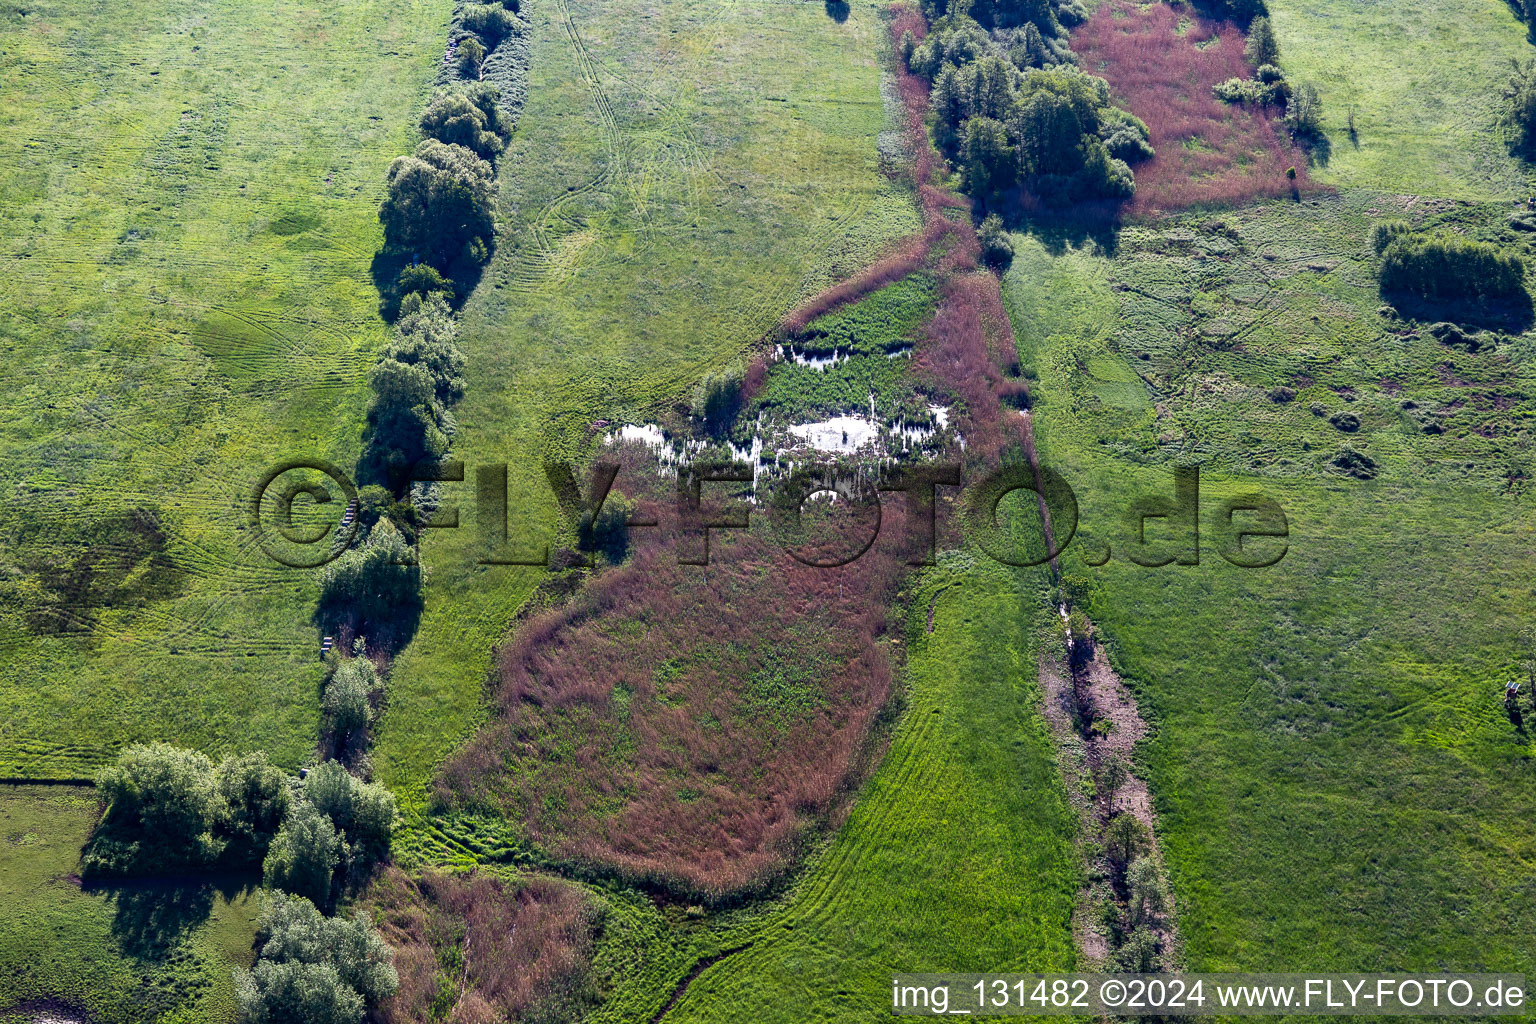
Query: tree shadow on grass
{"type": "Point", "coordinates": [837, 10]}
{"type": "Point", "coordinates": [155, 917]}
{"type": "Point", "coordinates": [1513, 316]}
{"type": "Point", "coordinates": [1070, 227]}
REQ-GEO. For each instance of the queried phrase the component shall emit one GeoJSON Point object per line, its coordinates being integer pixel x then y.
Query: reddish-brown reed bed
{"type": "Point", "coordinates": [1163, 64]}
{"type": "Point", "coordinates": [684, 726]}
{"type": "Point", "coordinates": [520, 947]}
{"type": "Point", "coordinates": [687, 727]}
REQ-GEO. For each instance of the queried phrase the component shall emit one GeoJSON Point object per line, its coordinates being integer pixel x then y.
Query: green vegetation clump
{"type": "Point", "coordinates": [1442, 265]}
{"type": "Point", "coordinates": [312, 968]}
{"type": "Point", "coordinates": [718, 395]}
{"type": "Point", "coordinates": [470, 117]}
{"type": "Point", "coordinates": [491, 22]}
{"type": "Point", "coordinates": [370, 588]}
{"type": "Point", "coordinates": [346, 700]}
{"type": "Point", "coordinates": [996, 246]}
{"type": "Point", "coordinates": [439, 206]}
{"type": "Point", "coordinates": [1262, 47]}
{"type": "Point", "coordinates": [304, 854]}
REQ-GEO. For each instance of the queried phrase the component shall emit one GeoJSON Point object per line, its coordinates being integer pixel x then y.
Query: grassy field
{"type": "Point", "coordinates": [190, 197]}
{"type": "Point", "coordinates": [1425, 81]}
{"type": "Point", "coordinates": [670, 194]}
{"type": "Point", "coordinates": [1336, 779]}
{"type": "Point", "coordinates": [131, 953]}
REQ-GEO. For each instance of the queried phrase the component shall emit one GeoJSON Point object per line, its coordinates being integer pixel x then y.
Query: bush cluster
{"type": "Point", "coordinates": [1520, 107]}
{"type": "Point", "coordinates": [336, 829]}
{"type": "Point", "coordinates": [1012, 110]}
{"type": "Point", "coordinates": [170, 810]}
{"type": "Point", "coordinates": [312, 968]}
{"type": "Point", "coordinates": [1268, 86]}
{"type": "Point", "coordinates": [1444, 266]}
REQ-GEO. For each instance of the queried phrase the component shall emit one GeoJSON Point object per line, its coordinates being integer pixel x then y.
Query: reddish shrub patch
{"type": "Point", "coordinates": [473, 949]}
{"type": "Point", "coordinates": [1209, 152]}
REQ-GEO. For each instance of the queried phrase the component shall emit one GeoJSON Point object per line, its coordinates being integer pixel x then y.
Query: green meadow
{"type": "Point", "coordinates": [1336, 778]}
{"type": "Point", "coordinates": [1424, 81]}
{"type": "Point", "coordinates": [189, 215]}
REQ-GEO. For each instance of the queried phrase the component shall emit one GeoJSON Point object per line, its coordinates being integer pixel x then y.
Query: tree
{"type": "Point", "coordinates": [1262, 47]}
{"type": "Point", "coordinates": [373, 585]}
{"type": "Point", "coordinates": [1137, 954]}
{"type": "Point", "coordinates": [470, 56]}
{"type": "Point", "coordinates": [987, 166]}
{"type": "Point", "coordinates": [1147, 897]}
{"type": "Point", "coordinates": [346, 697]}
{"type": "Point", "coordinates": [162, 806]}
{"type": "Point", "coordinates": [1125, 839]}
{"type": "Point", "coordinates": [255, 796]}
{"type": "Point", "coordinates": [425, 336]}
{"type": "Point", "coordinates": [439, 204]}
{"type": "Point", "coordinates": [451, 118]}
{"type": "Point", "coordinates": [491, 22]}
{"type": "Point", "coordinates": [1112, 776]}
{"type": "Point", "coordinates": [292, 930]}
{"type": "Point", "coordinates": [717, 397]}
{"type": "Point", "coordinates": [364, 811]}
{"type": "Point", "coordinates": [305, 853]}
{"type": "Point", "coordinates": [1304, 112]}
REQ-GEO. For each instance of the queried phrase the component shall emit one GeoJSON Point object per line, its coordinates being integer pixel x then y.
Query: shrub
{"type": "Point", "coordinates": [717, 397]}
{"type": "Point", "coordinates": [418, 281]}
{"type": "Point", "coordinates": [346, 697]}
{"type": "Point", "coordinates": [255, 796]}
{"type": "Point", "coordinates": [286, 993]}
{"type": "Point", "coordinates": [1387, 232]}
{"type": "Point", "coordinates": [1262, 48]}
{"type": "Point", "coordinates": [439, 204]}
{"type": "Point", "coordinates": [1147, 897]}
{"type": "Point", "coordinates": [1125, 839]}
{"type": "Point", "coordinates": [304, 855]}
{"type": "Point", "coordinates": [908, 47]}
{"type": "Point", "coordinates": [407, 424]}
{"type": "Point", "coordinates": [162, 806]}
{"type": "Point", "coordinates": [470, 56]}
{"type": "Point", "coordinates": [364, 811]}
{"type": "Point", "coordinates": [1137, 954]}
{"type": "Point", "coordinates": [292, 930]}
{"type": "Point", "coordinates": [996, 246]}
{"type": "Point", "coordinates": [491, 22]}
{"type": "Point", "coordinates": [1254, 92]}
{"type": "Point", "coordinates": [1447, 266]}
